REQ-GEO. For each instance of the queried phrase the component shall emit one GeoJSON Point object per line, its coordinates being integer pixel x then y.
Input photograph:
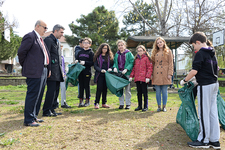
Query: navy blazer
{"type": "Point", "coordinates": [31, 56]}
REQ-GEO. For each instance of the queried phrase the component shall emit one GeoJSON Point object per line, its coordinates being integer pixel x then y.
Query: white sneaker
{"type": "Point", "coordinates": [164, 109]}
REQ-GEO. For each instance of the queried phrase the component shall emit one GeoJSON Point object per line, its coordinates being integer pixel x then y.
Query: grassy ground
{"type": "Point", "coordinates": [87, 128]}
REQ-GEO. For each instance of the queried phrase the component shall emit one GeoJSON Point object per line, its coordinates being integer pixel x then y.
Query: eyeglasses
{"type": "Point", "coordinates": [86, 43]}
{"type": "Point", "coordinates": [104, 48]}
{"type": "Point", "coordinates": [44, 27]}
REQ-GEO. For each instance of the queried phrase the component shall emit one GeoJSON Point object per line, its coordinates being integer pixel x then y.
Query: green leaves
{"type": "Point", "coordinates": [100, 25]}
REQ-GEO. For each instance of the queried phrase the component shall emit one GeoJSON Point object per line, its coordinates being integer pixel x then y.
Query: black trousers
{"type": "Point", "coordinates": [101, 89]}
{"type": "Point", "coordinates": [51, 96]}
{"type": "Point", "coordinates": [84, 84]}
{"type": "Point", "coordinates": [195, 92]}
{"type": "Point", "coordinates": [142, 88]}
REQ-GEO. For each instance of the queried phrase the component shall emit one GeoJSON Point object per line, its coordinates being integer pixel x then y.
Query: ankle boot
{"type": "Point", "coordinates": [87, 102]}
{"type": "Point", "coordinates": [81, 104]}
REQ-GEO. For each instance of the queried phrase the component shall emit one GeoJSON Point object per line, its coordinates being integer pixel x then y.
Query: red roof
{"type": "Point", "coordinates": [62, 39]}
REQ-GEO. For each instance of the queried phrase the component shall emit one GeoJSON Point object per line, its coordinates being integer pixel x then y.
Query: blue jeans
{"type": "Point", "coordinates": [161, 89]}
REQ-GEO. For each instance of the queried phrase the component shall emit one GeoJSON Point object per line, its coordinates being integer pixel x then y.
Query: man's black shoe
{"type": "Point", "coordinates": [33, 124]}
{"type": "Point", "coordinates": [121, 107]}
{"type": "Point", "coordinates": [65, 105]}
{"type": "Point", "coordinates": [198, 144]}
{"type": "Point", "coordinates": [138, 108]}
{"type": "Point", "coordinates": [55, 113]}
{"type": "Point", "coordinates": [127, 107]}
{"type": "Point", "coordinates": [39, 120]}
{"type": "Point", "coordinates": [49, 115]}
{"type": "Point", "coordinates": [215, 145]}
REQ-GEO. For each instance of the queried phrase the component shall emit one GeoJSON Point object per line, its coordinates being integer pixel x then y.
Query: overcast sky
{"type": "Point", "coordinates": [52, 12]}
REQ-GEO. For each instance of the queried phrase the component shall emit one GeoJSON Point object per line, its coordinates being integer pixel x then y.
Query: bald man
{"type": "Point", "coordinates": [34, 58]}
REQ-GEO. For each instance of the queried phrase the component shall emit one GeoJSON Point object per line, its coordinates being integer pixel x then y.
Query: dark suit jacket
{"type": "Point", "coordinates": [31, 56]}
{"type": "Point", "coordinates": [56, 59]}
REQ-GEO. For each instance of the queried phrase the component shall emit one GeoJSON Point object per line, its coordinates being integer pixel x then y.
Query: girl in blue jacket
{"type": "Point", "coordinates": [103, 60]}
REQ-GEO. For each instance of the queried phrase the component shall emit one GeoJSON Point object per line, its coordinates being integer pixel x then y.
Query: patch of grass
{"type": "Point", "coordinates": [88, 128]}
{"type": "Point", "coordinates": [9, 102]}
{"type": "Point", "coordinates": [9, 142]}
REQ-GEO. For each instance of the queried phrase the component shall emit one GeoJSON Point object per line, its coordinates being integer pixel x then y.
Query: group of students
{"type": "Point", "coordinates": [159, 69]}
{"type": "Point", "coordinates": [142, 67]}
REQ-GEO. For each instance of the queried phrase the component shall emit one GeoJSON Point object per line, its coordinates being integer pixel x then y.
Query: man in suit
{"type": "Point", "coordinates": [34, 58]}
{"type": "Point", "coordinates": [53, 83]}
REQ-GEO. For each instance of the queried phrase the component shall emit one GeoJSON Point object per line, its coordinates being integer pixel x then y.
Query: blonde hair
{"type": "Point", "coordinates": [156, 49]}
{"type": "Point", "coordinates": [89, 39]}
{"type": "Point", "coordinates": [146, 53]}
{"type": "Point", "coordinates": [121, 41]}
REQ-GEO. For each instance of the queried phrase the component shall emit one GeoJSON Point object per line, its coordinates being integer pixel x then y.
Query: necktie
{"type": "Point", "coordinates": [45, 50]}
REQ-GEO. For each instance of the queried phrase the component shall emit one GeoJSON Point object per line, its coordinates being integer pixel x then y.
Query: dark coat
{"type": "Point", "coordinates": [31, 56]}
{"type": "Point", "coordinates": [98, 67]}
{"type": "Point", "coordinates": [56, 59]}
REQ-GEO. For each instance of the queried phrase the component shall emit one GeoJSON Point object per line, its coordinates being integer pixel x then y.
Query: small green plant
{"type": "Point", "coordinates": [9, 142]}
{"type": "Point", "coordinates": [2, 134]}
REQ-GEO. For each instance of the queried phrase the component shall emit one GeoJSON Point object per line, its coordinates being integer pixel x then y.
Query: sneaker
{"type": "Point", "coordinates": [144, 109]}
{"type": "Point", "coordinates": [164, 109]}
{"type": "Point", "coordinates": [87, 103]}
{"type": "Point", "coordinates": [65, 105]}
{"type": "Point", "coordinates": [215, 145]}
{"type": "Point", "coordinates": [105, 106]}
{"type": "Point", "coordinates": [96, 106]}
{"type": "Point", "coordinates": [197, 144]}
{"type": "Point", "coordinates": [121, 107]}
{"type": "Point", "coordinates": [138, 108]}
{"type": "Point", "coordinates": [159, 109]}
{"type": "Point", "coordinates": [81, 105]}
{"type": "Point", "coordinates": [127, 107]}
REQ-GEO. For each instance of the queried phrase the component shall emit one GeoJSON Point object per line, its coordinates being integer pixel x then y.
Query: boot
{"type": "Point", "coordinates": [87, 102]}
{"type": "Point", "coordinates": [81, 104]}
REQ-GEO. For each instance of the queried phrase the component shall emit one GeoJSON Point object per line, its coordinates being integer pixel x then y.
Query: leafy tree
{"type": "Point", "coordinates": [9, 49]}
{"type": "Point", "coordinates": [100, 25]}
{"type": "Point", "coordinates": [133, 22]}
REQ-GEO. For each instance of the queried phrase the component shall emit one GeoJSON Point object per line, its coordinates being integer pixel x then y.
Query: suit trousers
{"type": "Point", "coordinates": [52, 94]}
{"type": "Point", "coordinates": [35, 90]}
{"type": "Point", "coordinates": [142, 89]}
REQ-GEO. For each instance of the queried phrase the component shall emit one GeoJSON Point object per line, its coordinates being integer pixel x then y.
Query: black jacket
{"type": "Point", "coordinates": [98, 66]}
{"type": "Point", "coordinates": [87, 56]}
{"type": "Point", "coordinates": [205, 63]}
{"type": "Point", "coordinates": [56, 59]}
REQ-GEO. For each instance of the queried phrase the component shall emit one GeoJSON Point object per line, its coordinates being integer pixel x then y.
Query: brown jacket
{"type": "Point", "coordinates": [162, 68]}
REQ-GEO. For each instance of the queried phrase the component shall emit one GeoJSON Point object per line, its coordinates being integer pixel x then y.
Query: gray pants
{"type": "Point", "coordinates": [127, 94]}
{"type": "Point", "coordinates": [208, 114]}
{"type": "Point", "coordinates": [63, 92]}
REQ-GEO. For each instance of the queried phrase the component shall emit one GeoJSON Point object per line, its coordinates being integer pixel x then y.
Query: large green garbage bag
{"type": "Point", "coordinates": [221, 109]}
{"type": "Point", "coordinates": [187, 114]}
{"type": "Point", "coordinates": [73, 73]}
{"type": "Point", "coordinates": [116, 82]}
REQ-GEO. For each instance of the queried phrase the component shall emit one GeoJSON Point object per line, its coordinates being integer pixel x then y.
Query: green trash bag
{"type": "Point", "coordinates": [116, 82]}
{"type": "Point", "coordinates": [187, 114]}
{"type": "Point", "coordinates": [73, 73]}
{"type": "Point", "coordinates": [221, 110]}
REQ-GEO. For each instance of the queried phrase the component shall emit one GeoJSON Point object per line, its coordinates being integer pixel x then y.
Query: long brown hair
{"type": "Point", "coordinates": [108, 53]}
{"type": "Point", "coordinates": [144, 49]}
{"type": "Point", "coordinates": [156, 49]}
